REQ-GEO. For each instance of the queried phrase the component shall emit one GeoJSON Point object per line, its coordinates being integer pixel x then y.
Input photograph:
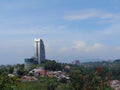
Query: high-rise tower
{"type": "Point", "coordinates": [39, 50]}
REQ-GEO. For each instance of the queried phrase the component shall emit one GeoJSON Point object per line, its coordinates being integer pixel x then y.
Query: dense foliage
{"type": "Point", "coordinates": [87, 76]}
{"type": "Point", "coordinates": [52, 65]}
{"type": "Point", "coordinates": [8, 83]}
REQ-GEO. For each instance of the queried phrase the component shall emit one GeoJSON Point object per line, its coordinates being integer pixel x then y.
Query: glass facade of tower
{"type": "Point", "coordinates": [39, 50]}
{"type": "Point", "coordinates": [39, 54]}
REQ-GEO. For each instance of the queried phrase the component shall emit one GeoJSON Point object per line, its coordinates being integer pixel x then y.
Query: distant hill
{"type": "Point", "coordinates": [117, 60]}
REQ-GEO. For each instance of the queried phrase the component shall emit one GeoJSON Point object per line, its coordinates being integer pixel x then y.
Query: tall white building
{"type": "Point", "coordinates": [39, 50]}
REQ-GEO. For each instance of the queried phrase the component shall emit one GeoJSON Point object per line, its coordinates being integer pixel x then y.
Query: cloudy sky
{"type": "Point", "coordinates": [85, 30]}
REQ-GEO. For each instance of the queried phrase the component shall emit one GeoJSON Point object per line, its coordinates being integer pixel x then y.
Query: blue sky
{"type": "Point", "coordinates": [85, 30]}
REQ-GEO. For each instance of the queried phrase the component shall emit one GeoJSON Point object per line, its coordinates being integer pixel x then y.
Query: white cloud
{"type": "Point", "coordinates": [79, 44]}
{"type": "Point", "coordinates": [97, 47]}
{"type": "Point", "coordinates": [85, 47]}
{"type": "Point", "coordinates": [88, 14]}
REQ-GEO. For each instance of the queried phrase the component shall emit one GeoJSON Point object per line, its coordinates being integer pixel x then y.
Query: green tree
{"type": "Point", "coordinates": [11, 68]}
{"type": "Point", "coordinates": [21, 72]}
{"type": "Point", "coordinates": [77, 80]}
{"type": "Point", "coordinates": [52, 65]}
{"type": "Point", "coordinates": [3, 71]}
{"type": "Point", "coordinates": [8, 83]}
{"type": "Point", "coordinates": [52, 84]}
